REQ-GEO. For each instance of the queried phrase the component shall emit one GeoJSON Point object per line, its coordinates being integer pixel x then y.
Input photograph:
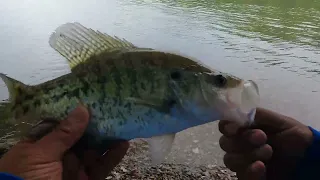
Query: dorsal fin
{"type": "Point", "coordinates": [78, 43]}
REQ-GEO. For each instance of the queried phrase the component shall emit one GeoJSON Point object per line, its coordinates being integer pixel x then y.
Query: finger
{"type": "Point", "coordinates": [26, 140]}
{"type": "Point", "coordinates": [42, 128]}
{"type": "Point", "coordinates": [90, 159]}
{"type": "Point", "coordinates": [114, 156]}
{"type": "Point", "coordinates": [247, 141]}
{"type": "Point", "coordinates": [281, 168]}
{"type": "Point", "coordinates": [267, 120]}
{"type": "Point", "coordinates": [71, 166]}
{"type": "Point", "coordinates": [239, 162]}
{"type": "Point", "coordinates": [256, 137]}
{"type": "Point", "coordinates": [272, 122]}
{"type": "Point", "coordinates": [228, 128]}
{"type": "Point", "coordinates": [235, 162]}
{"type": "Point", "coordinates": [82, 174]}
{"type": "Point", "coordinates": [263, 153]}
{"type": "Point", "coordinates": [255, 171]}
{"type": "Point", "coordinates": [108, 161]}
{"type": "Point", "coordinates": [67, 133]}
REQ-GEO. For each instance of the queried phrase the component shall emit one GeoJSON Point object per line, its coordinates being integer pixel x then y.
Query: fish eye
{"type": "Point", "coordinates": [175, 75]}
{"type": "Point", "coordinates": [220, 80]}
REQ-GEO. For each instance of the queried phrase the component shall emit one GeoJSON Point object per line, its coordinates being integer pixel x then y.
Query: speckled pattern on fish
{"type": "Point", "coordinates": [131, 92]}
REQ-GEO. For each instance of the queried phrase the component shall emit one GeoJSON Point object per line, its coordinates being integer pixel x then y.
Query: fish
{"type": "Point", "coordinates": [131, 92]}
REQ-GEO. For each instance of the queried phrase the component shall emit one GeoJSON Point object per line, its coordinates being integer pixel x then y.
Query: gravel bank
{"type": "Point", "coordinates": [136, 165]}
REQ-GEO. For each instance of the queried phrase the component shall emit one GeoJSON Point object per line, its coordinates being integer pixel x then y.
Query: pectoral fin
{"type": "Point", "coordinates": [156, 103]}
{"type": "Point", "coordinates": [160, 147]}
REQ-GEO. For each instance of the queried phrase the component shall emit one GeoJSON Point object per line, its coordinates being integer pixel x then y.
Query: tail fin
{"type": "Point", "coordinates": [14, 87]}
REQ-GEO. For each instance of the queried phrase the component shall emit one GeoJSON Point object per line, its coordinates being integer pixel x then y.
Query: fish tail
{"type": "Point", "coordinates": [15, 88]}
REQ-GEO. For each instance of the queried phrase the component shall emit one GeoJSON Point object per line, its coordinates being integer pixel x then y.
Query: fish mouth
{"type": "Point", "coordinates": [242, 101]}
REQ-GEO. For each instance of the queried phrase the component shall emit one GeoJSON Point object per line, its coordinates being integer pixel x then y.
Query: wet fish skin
{"type": "Point", "coordinates": [109, 96]}
{"type": "Point", "coordinates": [131, 92]}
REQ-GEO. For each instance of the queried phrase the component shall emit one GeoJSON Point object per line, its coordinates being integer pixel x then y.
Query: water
{"type": "Point", "coordinates": [276, 43]}
{"type": "Point", "coordinates": [273, 42]}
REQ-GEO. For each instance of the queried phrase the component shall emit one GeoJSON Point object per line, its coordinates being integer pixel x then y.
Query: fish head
{"type": "Point", "coordinates": [233, 97]}
{"type": "Point", "coordinates": [215, 96]}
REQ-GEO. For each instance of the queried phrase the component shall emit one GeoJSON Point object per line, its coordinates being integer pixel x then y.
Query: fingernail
{"type": "Point", "coordinates": [231, 128]}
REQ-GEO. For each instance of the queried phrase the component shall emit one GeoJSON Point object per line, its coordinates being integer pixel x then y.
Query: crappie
{"type": "Point", "coordinates": [131, 92]}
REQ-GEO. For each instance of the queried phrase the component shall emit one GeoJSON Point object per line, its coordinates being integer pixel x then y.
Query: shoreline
{"type": "Point", "coordinates": [137, 165]}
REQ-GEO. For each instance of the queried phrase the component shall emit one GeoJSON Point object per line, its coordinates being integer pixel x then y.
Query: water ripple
{"type": "Point", "coordinates": [283, 34]}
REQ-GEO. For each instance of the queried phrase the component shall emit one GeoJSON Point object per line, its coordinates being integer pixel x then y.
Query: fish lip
{"type": "Point", "coordinates": [236, 103]}
{"type": "Point", "coordinates": [242, 106]}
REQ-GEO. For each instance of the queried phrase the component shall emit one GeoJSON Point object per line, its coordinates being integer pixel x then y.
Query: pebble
{"type": "Point", "coordinates": [124, 169]}
{"type": "Point", "coordinates": [195, 150]}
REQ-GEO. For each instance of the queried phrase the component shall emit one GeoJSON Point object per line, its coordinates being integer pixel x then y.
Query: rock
{"type": "Point", "coordinates": [124, 169]}
{"type": "Point", "coordinates": [195, 150]}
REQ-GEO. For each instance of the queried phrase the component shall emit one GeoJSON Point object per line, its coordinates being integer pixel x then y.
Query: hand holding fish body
{"type": "Point", "coordinates": [131, 92]}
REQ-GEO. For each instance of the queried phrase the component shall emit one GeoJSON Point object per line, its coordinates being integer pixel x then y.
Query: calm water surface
{"type": "Point", "coordinates": [276, 43]}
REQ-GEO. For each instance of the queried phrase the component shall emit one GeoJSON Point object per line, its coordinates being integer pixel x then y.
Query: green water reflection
{"type": "Point", "coordinates": [295, 21]}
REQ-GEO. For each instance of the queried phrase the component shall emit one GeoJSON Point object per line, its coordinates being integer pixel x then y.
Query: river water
{"type": "Point", "coordinates": [275, 43]}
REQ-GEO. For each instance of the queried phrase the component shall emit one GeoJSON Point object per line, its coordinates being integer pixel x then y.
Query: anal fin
{"type": "Point", "coordinates": [160, 147]}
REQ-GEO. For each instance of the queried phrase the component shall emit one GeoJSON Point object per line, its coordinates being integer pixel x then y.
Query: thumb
{"type": "Point", "coordinates": [66, 134]}
{"type": "Point", "coordinates": [271, 121]}
{"type": "Point", "coordinates": [265, 120]}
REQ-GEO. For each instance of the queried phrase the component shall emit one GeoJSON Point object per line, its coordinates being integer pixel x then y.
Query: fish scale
{"type": "Point", "coordinates": [131, 92]}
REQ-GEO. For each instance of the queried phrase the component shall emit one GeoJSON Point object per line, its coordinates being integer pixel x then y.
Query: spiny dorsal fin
{"type": "Point", "coordinates": [78, 43]}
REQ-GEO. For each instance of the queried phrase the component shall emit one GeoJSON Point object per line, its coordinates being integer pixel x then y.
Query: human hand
{"type": "Point", "coordinates": [269, 149]}
{"type": "Point", "coordinates": [50, 158]}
